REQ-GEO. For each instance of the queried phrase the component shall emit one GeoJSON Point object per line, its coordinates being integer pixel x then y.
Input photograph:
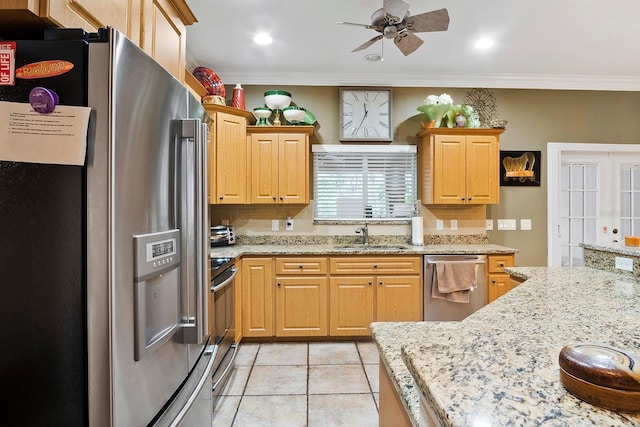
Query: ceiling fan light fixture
{"type": "Point", "coordinates": [262, 39]}
{"type": "Point", "coordinates": [373, 57]}
{"type": "Point", "coordinates": [484, 44]}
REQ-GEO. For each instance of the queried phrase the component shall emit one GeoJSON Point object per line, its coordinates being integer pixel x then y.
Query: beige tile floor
{"type": "Point", "coordinates": [302, 384]}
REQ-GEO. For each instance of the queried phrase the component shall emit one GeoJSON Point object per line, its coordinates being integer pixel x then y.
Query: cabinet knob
{"type": "Point", "coordinates": [501, 264]}
{"type": "Point", "coordinates": [375, 266]}
{"type": "Point", "coordinates": [380, 283]}
{"type": "Point", "coordinates": [370, 283]}
{"type": "Point", "coordinates": [281, 198]}
{"type": "Point", "coordinates": [278, 283]}
{"type": "Point", "coordinates": [300, 266]}
{"type": "Point", "coordinates": [274, 197]}
{"type": "Point", "coordinates": [493, 281]}
{"type": "Point", "coordinates": [462, 199]}
{"type": "Point", "coordinates": [221, 197]}
{"type": "Point", "coordinates": [470, 198]}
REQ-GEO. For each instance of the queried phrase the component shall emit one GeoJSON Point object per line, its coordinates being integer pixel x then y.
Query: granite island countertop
{"type": "Point", "coordinates": [355, 249]}
{"type": "Point", "coordinates": [500, 365]}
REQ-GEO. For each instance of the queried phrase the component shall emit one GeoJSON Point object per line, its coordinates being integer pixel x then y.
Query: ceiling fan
{"type": "Point", "coordinates": [393, 21]}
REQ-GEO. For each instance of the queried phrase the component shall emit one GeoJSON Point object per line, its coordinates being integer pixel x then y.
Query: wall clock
{"type": "Point", "coordinates": [365, 114]}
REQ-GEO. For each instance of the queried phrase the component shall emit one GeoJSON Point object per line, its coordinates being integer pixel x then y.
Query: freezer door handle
{"type": "Point", "coordinates": [205, 379]}
{"type": "Point", "coordinates": [193, 218]}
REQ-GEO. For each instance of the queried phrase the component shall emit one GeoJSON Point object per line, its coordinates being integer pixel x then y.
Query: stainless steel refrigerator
{"type": "Point", "coordinates": [103, 267]}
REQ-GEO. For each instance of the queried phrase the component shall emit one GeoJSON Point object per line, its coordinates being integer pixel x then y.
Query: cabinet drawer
{"type": "Point", "coordinates": [301, 265]}
{"type": "Point", "coordinates": [375, 264]}
{"type": "Point", "coordinates": [498, 262]}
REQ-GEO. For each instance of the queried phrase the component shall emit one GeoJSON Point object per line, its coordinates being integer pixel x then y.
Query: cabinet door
{"type": "Point", "coordinates": [165, 36]}
{"type": "Point", "coordinates": [257, 297]}
{"type": "Point", "coordinates": [293, 169]}
{"type": "Point", "coordinates": [499, 284]}
{"type": "Point", "coordinates": [301, 306]}
{"type": "Point", "coordinates": [449, 169]}
{"type": "Point", "coordinates": [90, 14]}
{"type": "Point", "coordinates": [231, 159]}
{"type": "Point", "coordinates": [264, 167]}
{"type": "Point", "coordinates": [398, 299]}
{"type": "Point", "coordinates": [351, 302]}
{"type": "Point", "coordinates": [482, 169]}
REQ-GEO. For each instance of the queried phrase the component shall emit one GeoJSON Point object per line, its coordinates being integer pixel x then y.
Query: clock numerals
{"type": "Point", "coordinates": [383, 124]}
{"type": "Point", "coordinates": [348, 124]}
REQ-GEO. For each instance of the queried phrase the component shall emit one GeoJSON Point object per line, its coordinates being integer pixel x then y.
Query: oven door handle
{"type": "Point", "coordinates": [216, 288]}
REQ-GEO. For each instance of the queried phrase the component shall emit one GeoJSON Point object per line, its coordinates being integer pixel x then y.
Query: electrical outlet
{"type": "Point", "coordinates": [289, 224]}
{"type": "Point", "coordinates": [454, 224]}
{"type": "Point", "coordinates": [506, 224]}
{"type": "Point", "coordinates": [275, 225]}
{"type": "Point", "coordinates": [439, 224]}
{"type": "Point", "coordinates": [489, 224]}
{"type": "Point", "coordinates": [624, 263]}
{"type": "Point", "coordinates": [525, 224]}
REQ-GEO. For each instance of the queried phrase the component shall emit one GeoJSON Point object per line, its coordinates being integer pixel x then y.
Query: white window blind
{"type": "Point", "coordinates": [361, 182]}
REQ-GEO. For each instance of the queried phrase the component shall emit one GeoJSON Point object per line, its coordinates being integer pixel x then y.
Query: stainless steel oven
{"type": "Point", "coordinates": [222, 326]}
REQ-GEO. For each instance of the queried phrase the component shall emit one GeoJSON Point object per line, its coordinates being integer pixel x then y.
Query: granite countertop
{"type": "Point", "coordinates": [500, 365]}
{"type": "Point", "coordinates": [358, 249]}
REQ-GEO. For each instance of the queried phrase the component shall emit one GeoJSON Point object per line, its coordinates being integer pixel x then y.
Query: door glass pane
{"type": "Point", "coordinates": [591, 177]}
{"type": "Point", "coordinates": [625, 178]}
{"type": "Point", "coordinates": [625, 227]}
{"type": "Point", "coordinates": [577, 176]}
{"type": "Point", "coordinates": [564, 256]}
{"type": "Point", "coordinates": [636, 177]}
{"type": "Point", "coordinates": [564, 204]}
{"type": "Point", "coordinates": [577, 204]}
{"type": "Point", "coordinates": [577, 256]}
{"type": "Point", "coordinates": [591, 204]}
{"type": "Point", "coordinates": [577, 233]}
{"type": "Point", "coordinates": [625, 204]}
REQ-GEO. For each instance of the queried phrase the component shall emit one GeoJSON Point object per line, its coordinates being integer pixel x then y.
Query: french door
{"type": "Point", "coordinates": [593, 197]}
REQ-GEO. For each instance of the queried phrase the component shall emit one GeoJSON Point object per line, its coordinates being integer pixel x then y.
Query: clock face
{"type": "Point", "coordinates": [365, 114]}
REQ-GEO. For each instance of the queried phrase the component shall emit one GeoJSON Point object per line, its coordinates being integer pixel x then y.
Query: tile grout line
{"type": "Point", "coordinates": [244, 389]}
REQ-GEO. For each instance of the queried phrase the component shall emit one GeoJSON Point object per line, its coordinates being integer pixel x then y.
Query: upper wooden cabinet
{"type": "Point", "coordinates": [164, 35]}
{"type": "Point", "coordinates": [460, 166]}
{"type": "Point", "coordinates": [279, 164]}
{"type": "Point", "coordinates": [227, 154]}
{"type": "Point", "coordinates": [157, 26]}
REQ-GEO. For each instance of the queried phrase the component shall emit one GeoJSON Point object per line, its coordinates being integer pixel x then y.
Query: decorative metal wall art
{"type": "Point", "coordinates": [484, 103]}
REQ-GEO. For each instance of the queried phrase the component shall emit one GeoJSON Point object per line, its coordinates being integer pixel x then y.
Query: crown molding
{"type": "Point", "coordinates": [495, 81]}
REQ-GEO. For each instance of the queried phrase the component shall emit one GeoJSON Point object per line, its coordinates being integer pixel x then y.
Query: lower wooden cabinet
{"type": "Point", "coordinates": [317, 296]}
{"type": "Point", "coordinates": [301, 306]}
{"type": "Point", "coordinates": [257, 297]}
{"type": "Point", "coordinates": [392, 292]}
{"type": "Point", "coordinates": [498, 281]}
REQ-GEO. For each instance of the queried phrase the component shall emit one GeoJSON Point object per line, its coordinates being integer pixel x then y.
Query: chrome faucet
{"type": "Point", "coordinates": [365, 233]}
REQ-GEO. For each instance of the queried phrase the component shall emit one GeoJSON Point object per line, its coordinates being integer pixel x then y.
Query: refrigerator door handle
{"type": "Point", "coordinates": [192, 216]}
{"type": "Point", "coordinates": [205, 379]}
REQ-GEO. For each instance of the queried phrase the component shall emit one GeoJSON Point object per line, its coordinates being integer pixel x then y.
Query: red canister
{"type": "Point", "coordinates": [238, 97]}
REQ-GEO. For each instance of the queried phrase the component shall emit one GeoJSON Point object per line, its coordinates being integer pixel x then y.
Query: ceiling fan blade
{"type": "Point", "coordinates": [407, 42]}
{"type": "Point", "coordinates": [367, 44]}
{"type": "Point", "coordinates": [395, 10]}
{"type": "Point", "coordinates": [438, 20]}
{"type": "Point", "coordinates": [359, 25]}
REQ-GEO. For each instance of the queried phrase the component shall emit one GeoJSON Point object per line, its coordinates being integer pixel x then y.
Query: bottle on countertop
{"type": "Point", "coordinates": [238, 97]}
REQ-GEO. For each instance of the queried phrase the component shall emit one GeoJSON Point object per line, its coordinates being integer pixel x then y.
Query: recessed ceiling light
{"type": "Point", "coordinates": [262, 38]}
{"type": "Point", "coordinates": [373, 57]}
{"type": "Point", "coordinates": [484, 44]}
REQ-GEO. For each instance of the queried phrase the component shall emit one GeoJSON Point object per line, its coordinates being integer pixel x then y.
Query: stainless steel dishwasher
{"type": "Point", "coordinates": [441, 309]}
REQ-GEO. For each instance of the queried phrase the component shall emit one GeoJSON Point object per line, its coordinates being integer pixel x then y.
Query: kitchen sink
{"type": "Point", "coordinates": [370, 248]}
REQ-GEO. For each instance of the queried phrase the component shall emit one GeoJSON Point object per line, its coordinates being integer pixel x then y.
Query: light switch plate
{"type": "Point", "coordinates": [489, 224]}
{"type": "Point", "coordinates": [454, 224]}
{"type": "Point", "coordinates": [275, 225]}
{"type": "Point", "coordinates": [439, 224]}
{"type": "Point", "coordinates": [525, 224]}
{"type": "Point", "coordinates": [506, 224]}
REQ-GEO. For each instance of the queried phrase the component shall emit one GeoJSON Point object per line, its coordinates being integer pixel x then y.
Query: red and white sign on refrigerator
{"type": "Point", "coordinates": [7, 63]}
